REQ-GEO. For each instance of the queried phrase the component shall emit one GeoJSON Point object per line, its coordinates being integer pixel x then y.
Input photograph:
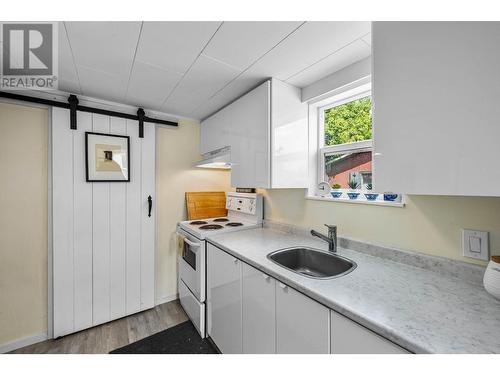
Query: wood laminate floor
{"type": "Point", "coordinates": [112, 335]}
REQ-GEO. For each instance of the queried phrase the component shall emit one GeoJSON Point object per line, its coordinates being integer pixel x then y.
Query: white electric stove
{"type": "Point", "coordinates": [245, 211]}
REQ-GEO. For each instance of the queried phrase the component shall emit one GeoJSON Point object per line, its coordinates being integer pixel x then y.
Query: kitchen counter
{"type": "Point", "coordinates": [418, 309]}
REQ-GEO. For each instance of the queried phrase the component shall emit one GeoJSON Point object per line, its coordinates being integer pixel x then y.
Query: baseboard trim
{"type": "Point", "coordinates": [165, 299]}
{"type": "Point", "coordinates": [21, 343]}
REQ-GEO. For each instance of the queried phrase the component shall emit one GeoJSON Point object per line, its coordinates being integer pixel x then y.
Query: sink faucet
{"type": "Point", "coordinates": [331, 238]}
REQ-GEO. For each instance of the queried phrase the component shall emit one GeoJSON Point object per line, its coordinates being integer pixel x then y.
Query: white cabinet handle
{"type": "Point", "coordinates": [266, 277]}
{"type": "Point", "coordinates": [282, 286]}
{"type": "Point", "coordinates": [235, 261]}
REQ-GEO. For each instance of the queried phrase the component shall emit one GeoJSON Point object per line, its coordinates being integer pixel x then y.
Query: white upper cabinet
{"type": "Point", "coordinates": [268, 134]}
{"type": "Point", "coordinates": [248, 119]}
{"type": "Point", "coordinates": [214, 133]}
{"type": "Point", "coordinates": [289, 137]}
{"type": "Point", "coordinates": [435, 91]}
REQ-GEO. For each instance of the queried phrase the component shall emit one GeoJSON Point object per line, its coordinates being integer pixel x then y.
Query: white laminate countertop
{"type": "Point", "coordinates": [418, 309]}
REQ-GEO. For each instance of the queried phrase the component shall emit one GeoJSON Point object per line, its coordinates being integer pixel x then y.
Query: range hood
{"type": "Point", "coordinates": [218, 159]}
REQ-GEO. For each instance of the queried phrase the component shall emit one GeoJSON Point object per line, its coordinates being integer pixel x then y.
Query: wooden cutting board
{"type": "Point", "coordinates": [202, 205]}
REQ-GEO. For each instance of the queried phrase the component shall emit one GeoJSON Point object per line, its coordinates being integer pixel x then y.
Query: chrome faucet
{"type": "Point", "coordinates": [331, 238]}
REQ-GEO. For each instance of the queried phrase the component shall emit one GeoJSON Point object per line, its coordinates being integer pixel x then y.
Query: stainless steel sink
{"type": "Point", "coordinates": [313, 263]}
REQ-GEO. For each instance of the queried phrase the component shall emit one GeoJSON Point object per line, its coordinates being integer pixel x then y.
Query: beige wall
{"type": "Point", "coordinates": [177, 151]}
{"type": "Point", "coordinates": [23, 221]}
{"type": "Point", "coordinates": [23, 212]}
{"type": "Point", "coordinates": [428, 224]}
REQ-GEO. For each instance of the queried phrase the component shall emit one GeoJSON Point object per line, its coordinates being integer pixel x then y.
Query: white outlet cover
{"type": "Point", "coordinates": [475, 244]}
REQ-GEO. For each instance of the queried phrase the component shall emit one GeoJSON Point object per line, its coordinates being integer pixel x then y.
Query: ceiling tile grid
{"type": "Point", "coordinates": [195, 68]}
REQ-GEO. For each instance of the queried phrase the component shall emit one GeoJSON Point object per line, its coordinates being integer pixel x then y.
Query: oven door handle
{"type": "Point", "coordinates": [191, 243]}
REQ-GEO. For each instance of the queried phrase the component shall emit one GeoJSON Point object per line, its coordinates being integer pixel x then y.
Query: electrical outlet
{"type": "Point", "coordinates": [475, 244]}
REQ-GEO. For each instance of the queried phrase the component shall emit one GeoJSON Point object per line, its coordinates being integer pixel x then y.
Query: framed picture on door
{"type": "Point", "coordinates": [107, 157]}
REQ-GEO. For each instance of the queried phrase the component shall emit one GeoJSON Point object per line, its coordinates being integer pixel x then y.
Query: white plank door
{"type": "Point", "coordinates": [103, 238]}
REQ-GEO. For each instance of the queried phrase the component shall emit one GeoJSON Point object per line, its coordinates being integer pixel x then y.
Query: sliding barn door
{"type": "Point", "coordinates": [103, 238]}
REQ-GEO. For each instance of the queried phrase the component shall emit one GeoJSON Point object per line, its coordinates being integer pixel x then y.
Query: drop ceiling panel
{"type": "Point", "coordinates": [368, 39]}
{"type": "Point", "coordinates": [309, 44]}
{"type": "Point", "coordinates": [348, 55]}
{"type": "Point", "coordinates": [174, 45]}
{"type": "Point", "coordinates": [205, 78]}
{"type": "Point", "coordinates": [184, 103]}
{"type": "Point", "coordinates": [235, 89]}
{"type": "Point", "coordinates": [102, 85]}
{"type": "Point", "coordinates": [104, 46]}
{"type": "Point", "coordinates": [241, 43]}
{"type": "Point", "coordinates": [195, 68]}
{"type": "Point", "coordinates": [68, 79]}
{"type": "Point", "coordinates": [150, 85]}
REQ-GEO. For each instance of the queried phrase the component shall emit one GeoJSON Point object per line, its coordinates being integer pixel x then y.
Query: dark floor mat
{"type": "Point", "coordinates": [180, 339]}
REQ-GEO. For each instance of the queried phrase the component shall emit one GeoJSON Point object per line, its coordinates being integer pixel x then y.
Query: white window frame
{"type": "Point", "coordinates": [318, 150]}
{"type": "Point", "coordinates": [353, 147]}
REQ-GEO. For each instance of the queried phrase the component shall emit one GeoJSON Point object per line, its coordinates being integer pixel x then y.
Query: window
{"type": "Point", "coordinates": [345, 145]}
{"type": "Point", "coordinates": [345, 142]}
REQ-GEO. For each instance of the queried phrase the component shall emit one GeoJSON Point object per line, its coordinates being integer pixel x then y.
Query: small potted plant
{"type": "Point", "coordinates": [370, 196]}
{"type": "Point", "coordinates": [336, 193]}
{"type": "Point", "coordinates": [390, 197]}
{"type": "Point", "coordinates": [354, 185]}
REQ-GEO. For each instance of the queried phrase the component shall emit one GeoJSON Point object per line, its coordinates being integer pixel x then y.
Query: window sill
{"type": "Point", "coordinates": [356, 201]}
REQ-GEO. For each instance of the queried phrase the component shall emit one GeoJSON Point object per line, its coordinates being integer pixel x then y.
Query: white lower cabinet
{"type": "Point", "coordinates": [259, 311]}
{"type": "Point", "coordinates": [349, 337]}
{"type": "Point", "coordinates": [224, 300]}
{"type": "Point", "coordinates": [302, 324]}
{"type": "Point", "coordinates": [250, 312]}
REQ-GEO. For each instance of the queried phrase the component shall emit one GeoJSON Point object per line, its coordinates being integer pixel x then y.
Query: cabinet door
{"type": "Point", "coordinates": [435, 92]}
{"type": "Point", "coordinates": [224, 300]}
{"type": "Point", "coordinates": [214, 131]}
{"type": "Point", "coordinates": [249, 138]}
{"type": "Point", "coordinates": [259, 312]}
{"type": "Point", "coordinates": [302, 324]}
{"type": "Point", "coordinates": [290, 135]}
{"type": "Point", "coordinates": [349, 337]}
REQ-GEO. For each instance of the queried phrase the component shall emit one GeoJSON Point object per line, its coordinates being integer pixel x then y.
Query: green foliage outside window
{"type": "Point", "coordinates": [349, 122]}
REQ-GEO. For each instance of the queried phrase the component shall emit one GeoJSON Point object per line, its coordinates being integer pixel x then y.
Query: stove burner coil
{"type": "Point", "coordinates": [220, 220]}
{"type": "Point", "coordinates": [211, 227]}
{"type": "Point", "coordinates": [198, 222]}
{"type": "Point", "coordinates": [234, 224]}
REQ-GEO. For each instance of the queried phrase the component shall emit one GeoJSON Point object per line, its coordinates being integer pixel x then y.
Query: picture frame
{"type": "Point", "coordinates": [107, 157]}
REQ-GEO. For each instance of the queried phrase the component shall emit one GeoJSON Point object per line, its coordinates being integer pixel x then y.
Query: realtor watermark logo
{"type": "Point", "coordinates": [28, 56]}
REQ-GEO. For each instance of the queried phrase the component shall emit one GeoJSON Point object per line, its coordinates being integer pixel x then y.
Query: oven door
{"type": "Point", "coordinates": [192, 265]}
